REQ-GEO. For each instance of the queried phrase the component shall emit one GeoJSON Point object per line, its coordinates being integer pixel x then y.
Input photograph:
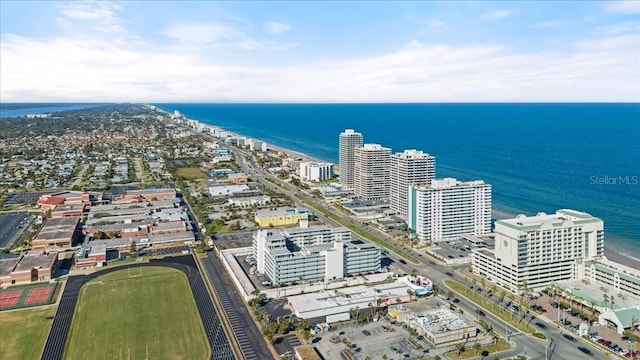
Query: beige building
{"type": "Point", "coordinates": [371, 171]}
{"type": "Point", "coordinates": [541, 249]}
{"type": "Point", "coordinates": [56, 234]}
{"type": "Point", "coordinates": [27, 268]}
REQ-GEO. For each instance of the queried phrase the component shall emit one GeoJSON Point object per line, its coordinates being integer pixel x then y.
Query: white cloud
{"type": "Point", "coordinates": [552, 24]}
{"type": "Point", "coordinates": [498, 14]}
{"type": "Point", "coordinates": [622, 6]}
{"type": "Point", "coordinates": [598, 69]}
{"type": "Point", "coordinates": [215, 35]}
{"type": "Point", "coordinates": [414, 44]}
{"type": "Point", "coordinates": [435, 23]}
{"type": "Point", "coordinates": [102, 15]}
{"type": "Point", "coordinates": [275, 27]}
{"type": "Point", "coordinates": [622, 28]}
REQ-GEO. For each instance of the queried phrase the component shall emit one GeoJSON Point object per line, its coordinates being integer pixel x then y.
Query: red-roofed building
{"type": "Point", "coordinates": [49, 202]}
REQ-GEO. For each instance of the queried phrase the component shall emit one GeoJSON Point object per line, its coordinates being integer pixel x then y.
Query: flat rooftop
{"type": "Point", "coordinates": [69, 207]}
{"type": "Point", "coordinates": [440, 320]}
{"type": "Point", "coordinates": [524, 222]}
{"type": "Point", "coordinates": [594, 293]}
{"type": "Point", "coordinates": [355, 295]}
{"type": "Point", "coordinates": [7, 265]}
{"type": "Point", "coordinates": [281, 212]}
{"type": "Point", "coordinates": [58, 228]}
{"type": "Point", "coordinates": [29, 262]}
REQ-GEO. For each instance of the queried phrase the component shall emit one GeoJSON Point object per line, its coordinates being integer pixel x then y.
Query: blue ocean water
{"type": "Point", "coordinates": [538, 157]}
{"type": "Point", "coordinates": [10, 110]}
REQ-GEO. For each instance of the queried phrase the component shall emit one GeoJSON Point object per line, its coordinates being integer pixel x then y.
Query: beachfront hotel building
{"type": "Point", "coordinates": [411, 167]}
{"type": "Point", "coordinates": [312, 171]}
{"type": "Point", "coordinates": [371, 172]}
{"type": "Point", "coordinates": [312, 253]}
{"type": "Point", "coordinates": [538, 250]}
{"type": "Point", "coordinates": [447, 208]}
{"type": "Point", "coordinates": [349, 141]}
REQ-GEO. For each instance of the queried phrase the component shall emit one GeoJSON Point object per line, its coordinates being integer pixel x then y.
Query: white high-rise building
{"type": "Point", "coordinates": [538, 250]}
{"type": "Point", "coordinates": [448, 208]}
{"type": "Point", "coordinates": [349, 141]}
{"type": "Point", "coordinates": [371, 171]}
{"type": "Point", "coordinates": [311, 171]}
{"type": "Point", "coordinates": [312, 253]}
{"type": "Point", "coordinates": [411, 167]}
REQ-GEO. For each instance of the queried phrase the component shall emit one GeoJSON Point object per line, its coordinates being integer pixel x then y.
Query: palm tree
{"type": "Point", "coordinates": [635, 322]}
{"type": "Point", "coordinates": [503, 293]}
{"type": "Point", "coordinates": [414, 272]}
{"type": "Point", "coordinates": [511, 298]}
{"type": "Point", "coordinates": [605, 298]}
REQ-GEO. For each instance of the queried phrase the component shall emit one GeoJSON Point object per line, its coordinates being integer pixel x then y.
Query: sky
{"type": "Point", "coordinates": [326, 51]}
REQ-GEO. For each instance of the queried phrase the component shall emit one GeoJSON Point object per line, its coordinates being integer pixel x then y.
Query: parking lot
{"type": "Point", "coordinates": [601, 336]}
{"type": "Point", "coordinates": [374, 340]}
{"type": "Point", "coordinates": [13, 226]}
{"type": "Point", "coordinates": [458, 251]}
{"type": "Point", "coordinates": [24, 198]}
{"type": "Point", "coordinates": [232, 240]}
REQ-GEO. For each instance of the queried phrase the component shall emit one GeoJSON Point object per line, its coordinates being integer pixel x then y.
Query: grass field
{"type": "Point", "coordinates": [24, 332]}
{"type": "Point", "coordinates": [140, 313]}
{"type": "Point", "coordinates": [191, 173]}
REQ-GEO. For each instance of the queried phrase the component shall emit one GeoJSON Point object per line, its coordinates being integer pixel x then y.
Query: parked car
{"type": "Point", "coordinates": [585, 350]}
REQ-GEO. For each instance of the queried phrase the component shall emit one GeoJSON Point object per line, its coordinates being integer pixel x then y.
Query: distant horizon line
{"type": "Point", "coordinates": [317, 103]}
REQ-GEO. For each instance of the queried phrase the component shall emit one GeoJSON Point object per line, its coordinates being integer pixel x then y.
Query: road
{"type": "Point", "coordinates": [559, 347]}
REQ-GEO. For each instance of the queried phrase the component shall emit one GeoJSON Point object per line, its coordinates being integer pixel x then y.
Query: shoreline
{"type": "Point", "coordinates": [613, 253]}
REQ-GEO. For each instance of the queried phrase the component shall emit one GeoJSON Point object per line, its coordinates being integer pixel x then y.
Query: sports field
{"type": "Point", "coordinates": [139, 313]}
{"type": "Point", "coordinates": [24, 332]}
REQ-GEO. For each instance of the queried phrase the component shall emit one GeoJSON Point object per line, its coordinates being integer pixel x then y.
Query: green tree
{"type": "Point", "coordinates": [477, 347]}
{"type": "Point", "coordinates": [132, 248]}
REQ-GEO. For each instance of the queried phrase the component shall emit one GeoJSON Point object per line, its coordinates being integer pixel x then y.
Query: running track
{"type": "Point", "coordinates": [220, 348]}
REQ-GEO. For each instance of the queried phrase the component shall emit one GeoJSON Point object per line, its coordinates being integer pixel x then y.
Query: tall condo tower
{"type": "Point", "coordinates": [349, 140]}
{"type": "Point", "coordinates": [371, 171]}
{"type": "Point", "coordinates": [449, 208]}
{"type": "Point", "coordinates": [411, 167]}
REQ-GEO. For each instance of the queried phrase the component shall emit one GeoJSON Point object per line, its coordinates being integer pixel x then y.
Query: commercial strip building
{"type": "Point", "coordinates": [312, 253]}
{"type": "Point", "coordinates": [311, 171]}
{"type": "Point", "coordinates": [447, 208]}
{"type": "Point", "coordinates": [371, 171]}
{"type": "Point", "coordinates": [411, 167]}
{"type": "Point", "coordinates": [27, 268]}
{"type": "Point", "coordinates": [541, 249]}
{"type": "Point", "coordinates": [438, 324]}
{"type": "Point", "coordinates": [349, 140]}
{"type": "Point", "coordinates": [281, 217]}
{"type": "Point", "coordinates": [334, 304]}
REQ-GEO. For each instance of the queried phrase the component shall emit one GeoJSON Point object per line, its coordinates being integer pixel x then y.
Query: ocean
{"type": "Point", "coordinates": [537, 157]}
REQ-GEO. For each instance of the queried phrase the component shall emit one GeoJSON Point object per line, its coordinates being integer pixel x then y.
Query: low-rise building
{"type": "Point", "coordinates": [56, 234]}
{"type": "Point", "coordinates": [281, 217]}
{"type": "Point", "coordinates": [227, 190]}
{"type": "Point", "coordinates": [238, 178]}
{"type": "Point", "coordinates": [249, 201]}
{"type": "Point", "coordinates": [92, 257]}
{"type": "Point", "coordinates": [68, 210]}
{"type": "Point", "coordinates": [438, 325]}
{"type": "Point", "coordinates": [28, 268]}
